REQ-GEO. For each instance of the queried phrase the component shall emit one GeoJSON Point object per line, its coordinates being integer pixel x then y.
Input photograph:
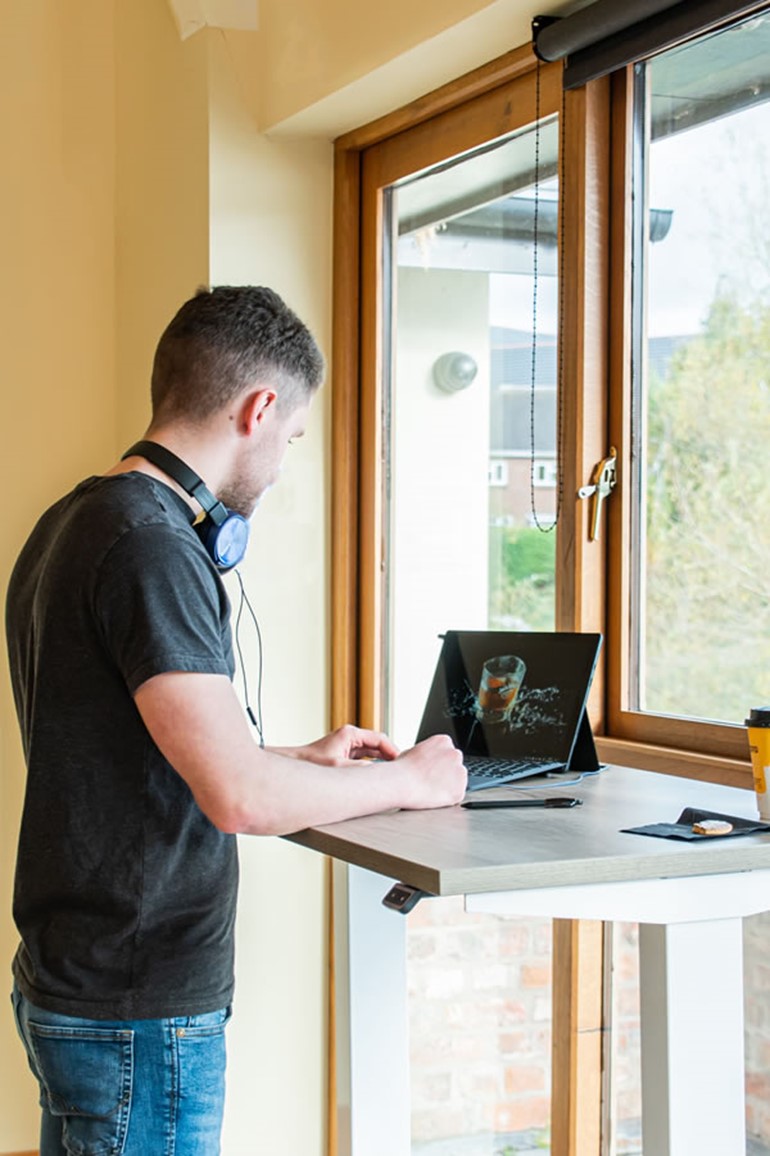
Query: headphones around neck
{"type": "Point", "coordinates": [224, 534]}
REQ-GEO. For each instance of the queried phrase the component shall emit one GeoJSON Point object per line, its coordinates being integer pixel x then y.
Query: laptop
{"type": "Point", "coordinates": [514, 703]}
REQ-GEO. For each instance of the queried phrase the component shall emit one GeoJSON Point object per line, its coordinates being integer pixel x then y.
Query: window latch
{"type": "Point", "coordinates": [602, 484]}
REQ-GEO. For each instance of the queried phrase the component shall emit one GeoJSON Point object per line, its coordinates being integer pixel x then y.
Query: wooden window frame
{"type": "Point", "coordinates": [671, 745]}
{"type": "Point", "coordinates": [356, 498]}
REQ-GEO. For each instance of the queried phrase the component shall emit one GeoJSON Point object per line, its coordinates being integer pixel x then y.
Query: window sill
{"type": "Point", "coordinates": [670, 761]}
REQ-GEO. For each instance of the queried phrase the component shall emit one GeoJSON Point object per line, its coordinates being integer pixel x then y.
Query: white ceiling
{"type": "Point", "coordinates": [192, 15]}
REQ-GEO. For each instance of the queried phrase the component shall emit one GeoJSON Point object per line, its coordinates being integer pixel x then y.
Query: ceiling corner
{"type": "Point", "coordinates": [192, 15]}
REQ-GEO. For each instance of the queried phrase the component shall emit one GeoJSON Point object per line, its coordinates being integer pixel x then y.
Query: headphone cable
{"type": "Point", "coordinates": [256, 720]}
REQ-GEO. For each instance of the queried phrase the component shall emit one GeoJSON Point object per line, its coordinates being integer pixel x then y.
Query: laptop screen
{"type": "Point", "coordinates": [511, 694]}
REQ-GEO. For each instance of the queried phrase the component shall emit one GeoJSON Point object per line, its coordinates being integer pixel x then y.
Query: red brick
{"type": "Point", "coordinates": [535, 975]}
{"type": "Point", "coordinates": [532, 1112]}
{"type": "Point", "coordinates": [758, 1084]}
{"type": "Point", "coordinates": [517, 1042]}
{"type": "Point", "coordinates": [524, 1079]}
{"type": "Point", "coordinates": [512, 1012]}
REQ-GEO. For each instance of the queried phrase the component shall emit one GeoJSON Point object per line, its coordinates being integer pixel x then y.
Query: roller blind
{"type": "Point", "coordinates": [607, 35]}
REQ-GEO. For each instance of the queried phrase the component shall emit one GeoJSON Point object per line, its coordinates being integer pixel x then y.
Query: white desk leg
{"type": "Point", "coordinates": [691, 981]}
{"type": "Point", "coordinates": [372, 1036]}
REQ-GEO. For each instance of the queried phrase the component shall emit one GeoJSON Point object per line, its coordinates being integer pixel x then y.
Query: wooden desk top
{"type": "Point", "coordinates": [452, 851]}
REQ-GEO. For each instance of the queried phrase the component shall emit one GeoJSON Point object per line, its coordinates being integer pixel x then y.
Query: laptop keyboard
{"type": "Point", "coordinates": [487, 771]}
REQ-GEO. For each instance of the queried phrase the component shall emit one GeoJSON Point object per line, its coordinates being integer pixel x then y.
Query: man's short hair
{"type": "Point", "coordinates": [224, 340]}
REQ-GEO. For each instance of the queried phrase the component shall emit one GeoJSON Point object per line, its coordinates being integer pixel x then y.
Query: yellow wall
{"type": "Point", "coordinates": [104, 211]}
{"type": "Point", "coordinates": [134, 171]}
{"type": "Point", "coordinates": [57, 354]}
{"type": "Point", "coordinates": [161, 140]}
{"type": "Point", "coordinates": [122, 200]}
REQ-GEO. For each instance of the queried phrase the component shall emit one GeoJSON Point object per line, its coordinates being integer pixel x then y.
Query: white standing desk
{"type": "Point", "coordinates": [689, 899]}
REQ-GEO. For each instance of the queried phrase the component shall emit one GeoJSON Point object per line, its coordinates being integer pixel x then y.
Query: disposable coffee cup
{"type": "Point", "coordinates": [758, 724]}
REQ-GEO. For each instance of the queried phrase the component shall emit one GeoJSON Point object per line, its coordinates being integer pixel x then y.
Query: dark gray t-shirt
{"type": "Point", "coordinates": [125, 892]}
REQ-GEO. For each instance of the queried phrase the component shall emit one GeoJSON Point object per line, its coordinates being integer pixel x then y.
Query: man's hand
{"type": "Point", "coordinates": [345, 745]}
{"type": "Point", "coordinates": [436, 776]}
{"type": "Point", "coordinates": [430, 774]}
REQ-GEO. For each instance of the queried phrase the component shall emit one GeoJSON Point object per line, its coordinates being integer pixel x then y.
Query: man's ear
{"type": "Point", "coordinates": [256, 407]}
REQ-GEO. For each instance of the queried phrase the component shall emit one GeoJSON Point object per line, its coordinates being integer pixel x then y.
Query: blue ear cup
{"type": "Point", "coordinates": [225, 535]}
{"type": "Point", "coordinates": [225, 541]}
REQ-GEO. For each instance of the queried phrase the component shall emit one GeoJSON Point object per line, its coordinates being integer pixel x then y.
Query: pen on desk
{"type": "Point", "coordinates": [494, 804]}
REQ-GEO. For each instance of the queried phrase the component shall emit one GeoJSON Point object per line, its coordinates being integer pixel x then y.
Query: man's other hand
{"type": "Point", "coordinates": [345, 745]}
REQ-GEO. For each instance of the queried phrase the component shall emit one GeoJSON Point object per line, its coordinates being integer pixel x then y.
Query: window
{"type": "Point", "coordinates": [665, 343]}
{"type": "Point", "coordinates": [545, 474]}
{"type": "Point", "coordinates": [697, 648]}
{"type": "Point", "coordinates": [498, 475]}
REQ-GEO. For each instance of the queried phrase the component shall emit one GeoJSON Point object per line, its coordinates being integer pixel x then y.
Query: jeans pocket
{"type": "Point", "coordinates": [201, 1053]}
{"type": "Point", "coordinates": [86, 1076]}
{"type": "Point", "coordinates": [207, 1024]}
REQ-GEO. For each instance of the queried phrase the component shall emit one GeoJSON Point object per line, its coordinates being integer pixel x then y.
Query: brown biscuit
{"type": "Point", "coordinates": [712, 827]}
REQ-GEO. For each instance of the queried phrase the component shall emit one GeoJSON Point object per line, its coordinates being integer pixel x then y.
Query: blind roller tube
{"type": "Point", "coordinates": [679, 22]}
{"type": "Point", "coordinates": [561, 38]}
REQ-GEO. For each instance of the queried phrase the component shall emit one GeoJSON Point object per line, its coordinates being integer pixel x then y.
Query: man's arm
{"type": "Point", "coordinates": [198, 724]}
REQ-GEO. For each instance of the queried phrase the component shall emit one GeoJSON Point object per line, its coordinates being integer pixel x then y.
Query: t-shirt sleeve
{"type": "Point", "coordinates": [160, 606]}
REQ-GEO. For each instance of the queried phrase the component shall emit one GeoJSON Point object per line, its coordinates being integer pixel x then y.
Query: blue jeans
{"type": "Point", "coordinates": [126, 1087]}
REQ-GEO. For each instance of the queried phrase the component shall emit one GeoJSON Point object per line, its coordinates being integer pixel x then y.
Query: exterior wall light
{"type": "Point", "coordinates": [454, 371]}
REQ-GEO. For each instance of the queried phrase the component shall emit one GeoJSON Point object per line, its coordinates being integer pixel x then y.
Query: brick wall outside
{"type": "Point", "coordinates": [480, 1022]}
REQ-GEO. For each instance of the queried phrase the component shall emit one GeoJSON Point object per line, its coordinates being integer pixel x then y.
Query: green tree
{"type": "Point", "coordinates": [706, 585]}
{"type": "Point", "coordinates": [521, 579]}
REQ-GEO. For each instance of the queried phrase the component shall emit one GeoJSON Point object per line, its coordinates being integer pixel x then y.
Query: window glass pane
{"type": "Point", "coordinates": [702, 379]}
{"type": "Point", "coordinates": [472, 406]}
{"type": "Point", "coordinates": [623, 1135]}
{"type": "Point", "coordinates": [471, 413]}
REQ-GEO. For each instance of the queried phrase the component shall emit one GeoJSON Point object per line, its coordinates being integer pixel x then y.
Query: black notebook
{"type": "Point", "coordinates": [514, 702]}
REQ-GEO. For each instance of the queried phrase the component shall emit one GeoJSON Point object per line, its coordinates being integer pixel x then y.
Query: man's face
{"type": "Point", "coordinates": [259, 463]}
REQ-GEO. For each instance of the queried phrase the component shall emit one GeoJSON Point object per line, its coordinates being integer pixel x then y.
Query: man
{"type": "Point", "coordinates": [141, 764]}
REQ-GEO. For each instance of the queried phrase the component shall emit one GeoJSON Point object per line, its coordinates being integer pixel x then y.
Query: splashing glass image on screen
{"type": "Point", "coordinates": [510, 694]}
